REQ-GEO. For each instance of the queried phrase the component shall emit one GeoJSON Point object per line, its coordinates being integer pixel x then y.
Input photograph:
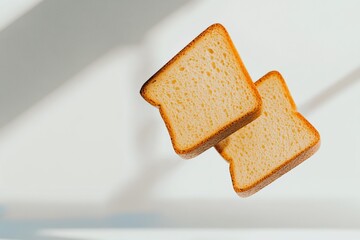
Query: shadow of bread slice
{"type": "Point", "coordinates": [277, 141]}
{"type": "Point", "coordinates": [204, 93]}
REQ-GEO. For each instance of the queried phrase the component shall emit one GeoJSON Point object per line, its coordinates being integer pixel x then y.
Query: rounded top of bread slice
{"type": "Point", "coordinates": [204, 93]}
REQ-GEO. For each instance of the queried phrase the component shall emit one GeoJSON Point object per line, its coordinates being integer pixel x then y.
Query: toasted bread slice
{"type": "Point", "coordinates": [204, 93]}
{"type": "Point", "coordinates": [277, 141]}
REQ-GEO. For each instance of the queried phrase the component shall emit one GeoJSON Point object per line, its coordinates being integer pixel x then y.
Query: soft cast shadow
{"type": "Point", "coordinates": [330, 92]}
{"type": "Point", "coordinates": [57, 39]}
{"type": "Point", "coordinates": [53, 42]}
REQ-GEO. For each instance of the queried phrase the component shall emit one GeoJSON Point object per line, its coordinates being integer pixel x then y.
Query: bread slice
{"type": "Point", "coordinates": [277, 141]}
{"type": "Point", "coordinates": [204, 93]}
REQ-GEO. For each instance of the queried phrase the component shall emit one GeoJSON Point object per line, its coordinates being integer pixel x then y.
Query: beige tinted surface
{"type": "Point", "coordinates": [203, 90]}
{"type": "Point", "coordinates": [271, 140]}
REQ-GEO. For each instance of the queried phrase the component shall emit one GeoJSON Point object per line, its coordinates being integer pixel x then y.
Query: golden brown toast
{"type": "Point", "coordinates": [204, 93]}
{"type": "Point", "coordinates": [277, 141]}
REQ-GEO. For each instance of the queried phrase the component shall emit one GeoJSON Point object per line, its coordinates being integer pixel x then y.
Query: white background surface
{"type": "Point", "coordinates": [89, 147]}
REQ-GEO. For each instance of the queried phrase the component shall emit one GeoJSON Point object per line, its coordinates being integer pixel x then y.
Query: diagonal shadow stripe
{"type": "Point", "coordinates": [57, 39]}
{"type": "Point", "coordinates": [330, 92]}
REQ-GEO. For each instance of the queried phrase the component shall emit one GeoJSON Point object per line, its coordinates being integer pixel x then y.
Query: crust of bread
{"type": "Point", "coordinates": [276, 173]}
{"type": "Point", "coordinates": [227, 129]}
{"type": "Point", "coordinates": [287, 165]}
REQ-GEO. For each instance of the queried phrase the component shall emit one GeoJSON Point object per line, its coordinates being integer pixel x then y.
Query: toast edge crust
{"type": "Point", "coordinates": [174, 59]}
{"type": "Point", "coordinates": [227, 129]}
{"type": "Point", "coordinates": [289, 164]}
{"type": "Point", "coordinates": [276, 173]}
{"type": "Point", "coordinates": [224, 132]}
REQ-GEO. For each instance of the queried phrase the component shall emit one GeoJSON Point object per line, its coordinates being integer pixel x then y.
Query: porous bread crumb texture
{"type": "Point", "coordinates": [203, 91]}
{"type": "Point", "coordinates": [263, 147]}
